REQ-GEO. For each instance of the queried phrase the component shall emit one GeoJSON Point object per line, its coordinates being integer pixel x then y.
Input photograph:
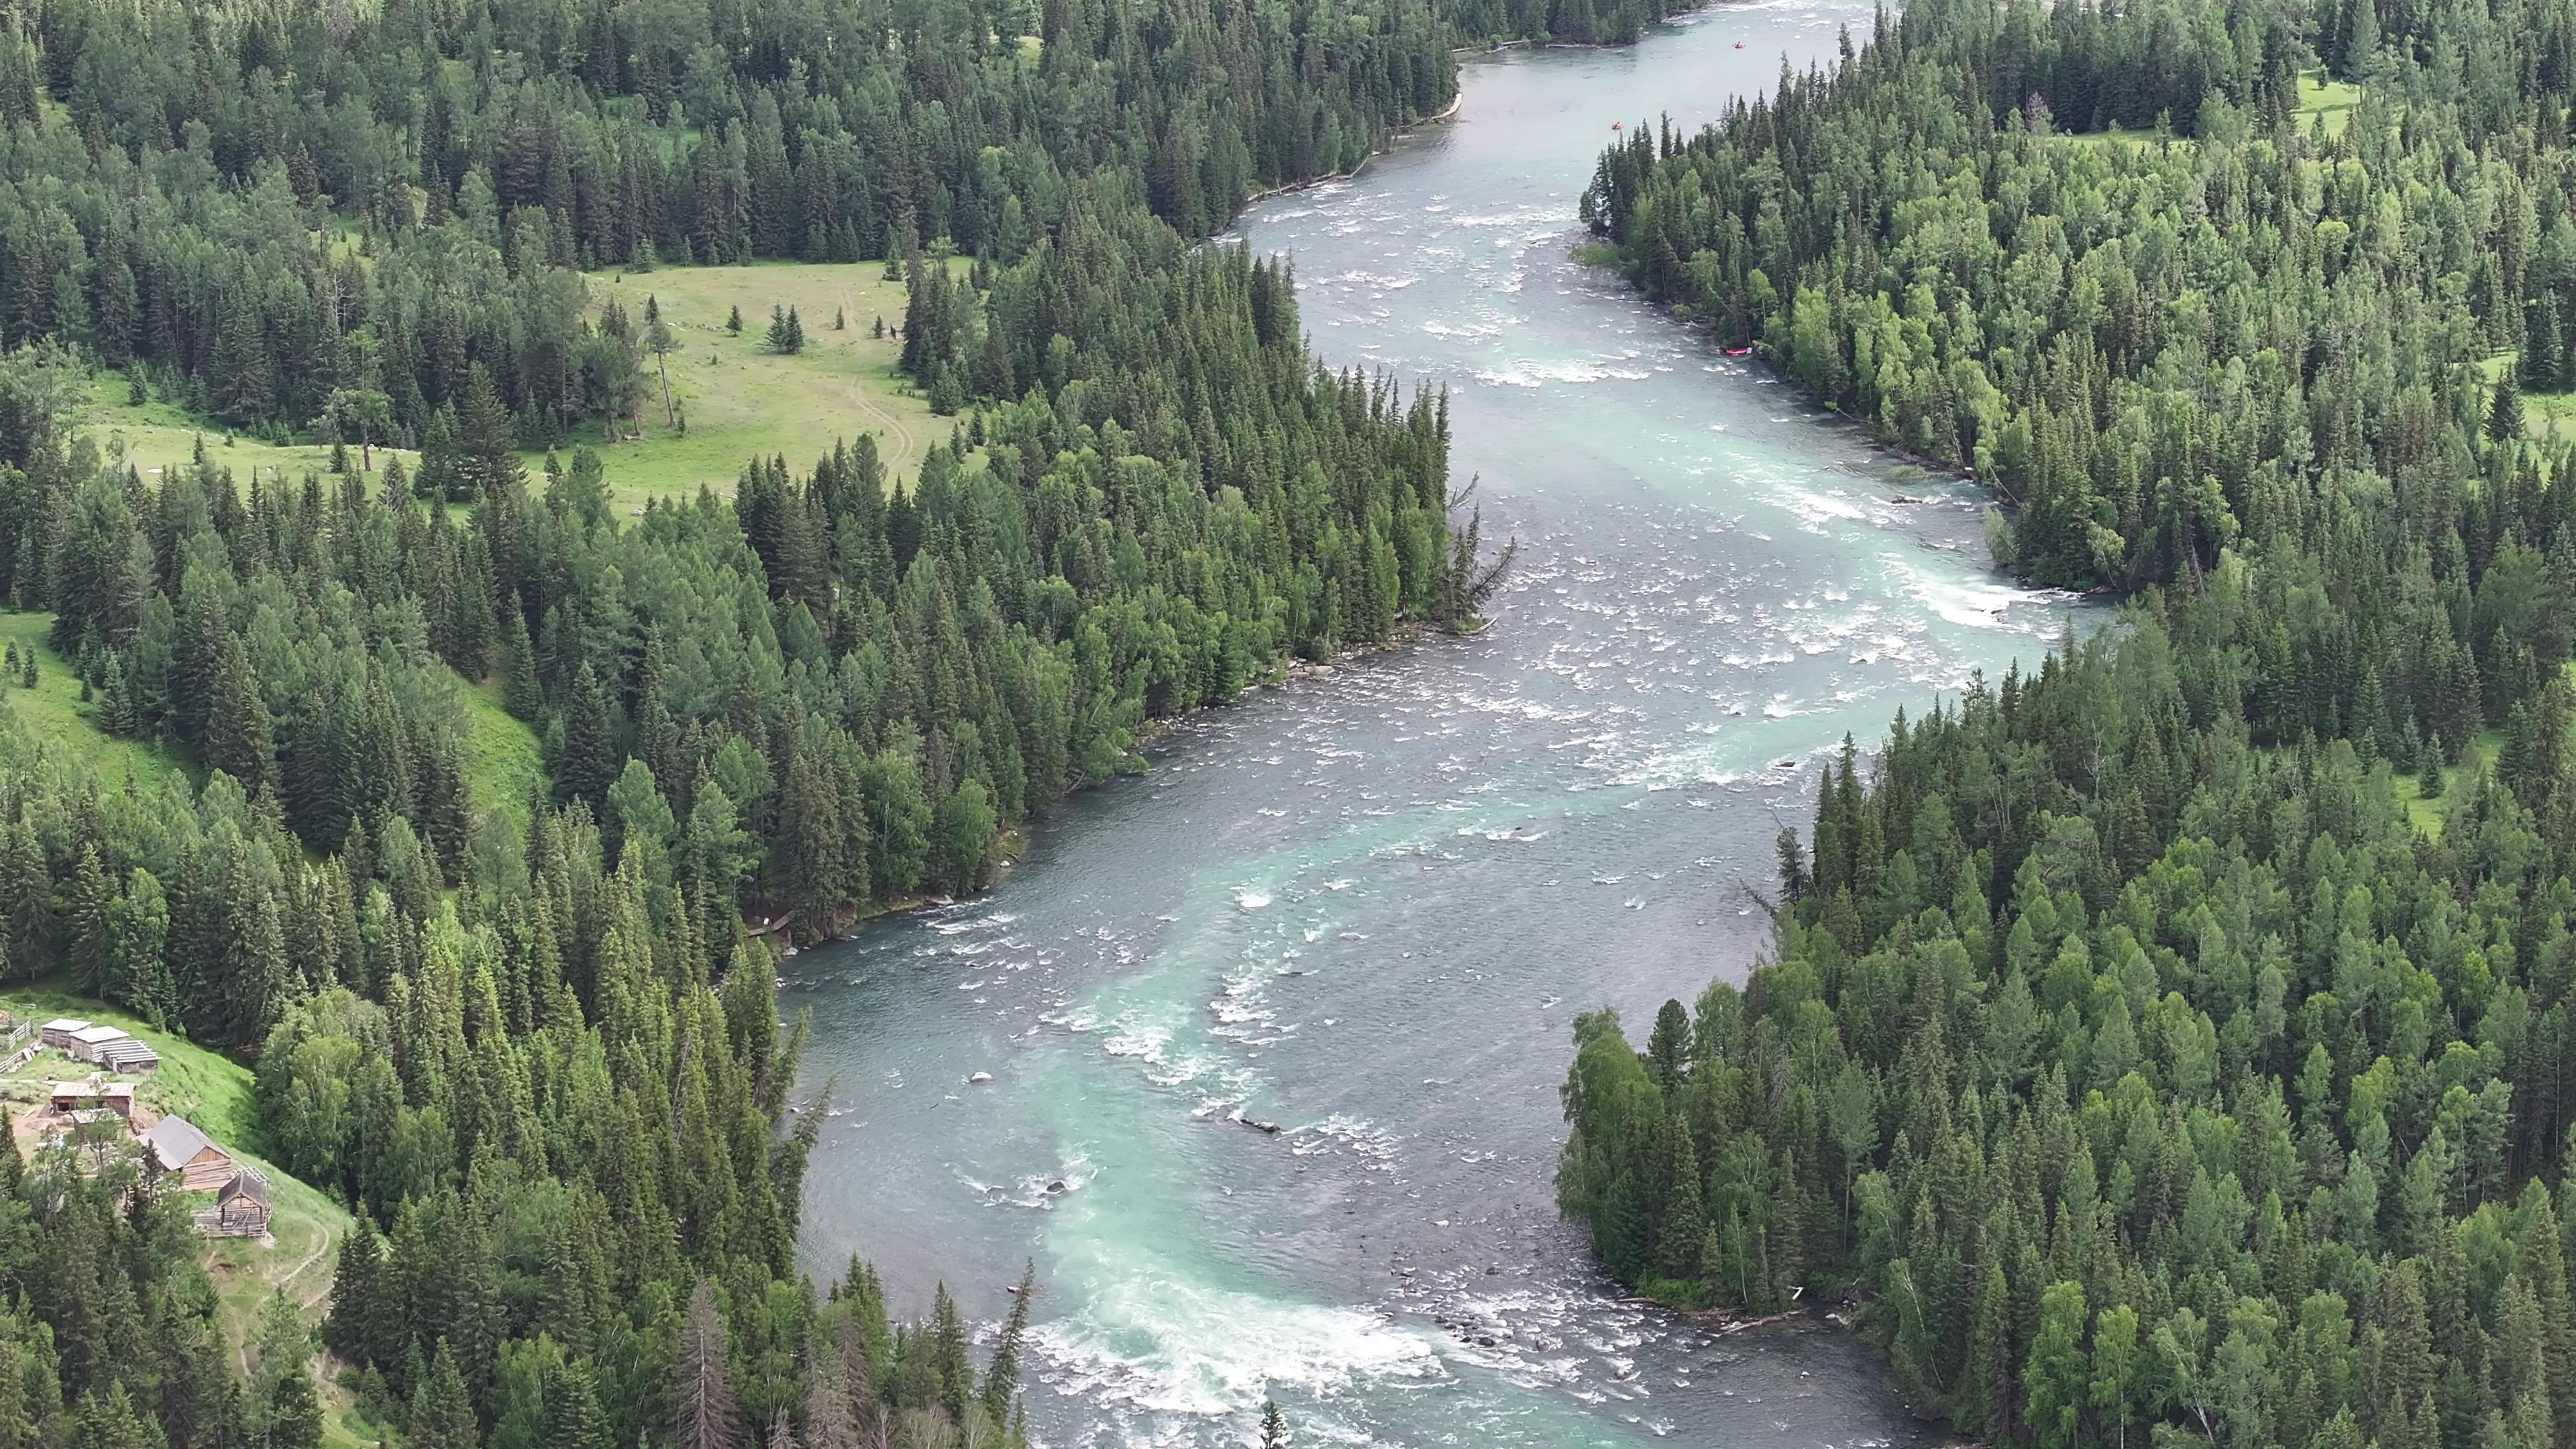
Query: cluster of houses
{"type": "Point", "coordinates": [111, 1048]}
{"type": "Point", "coordinates": [172, 1146]}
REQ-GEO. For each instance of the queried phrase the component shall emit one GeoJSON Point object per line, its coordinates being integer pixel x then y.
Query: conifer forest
{"type": "Point", "coordinates": [2171, 1041]}
{"type": "Point", "coordinates": [2169, 1035]}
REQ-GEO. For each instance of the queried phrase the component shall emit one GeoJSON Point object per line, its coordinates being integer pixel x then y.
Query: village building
{"type": "Point", "coordinates": [91, 1043]}
{"type": "Point", "coordinates": [58, 1032]}
{"type": "Point", "coordinates": [241, 1207]}
{"type": "Point", "coordinates": [94, 1096]}
{"type": "Point", "coordinates": [129, 1058]}
{"type": "Point", "coordinates": [175, 1145]}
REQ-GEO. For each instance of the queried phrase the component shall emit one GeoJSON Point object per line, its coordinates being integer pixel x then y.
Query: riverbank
{"type": "Point", "coordinates": [1444, 116]}
{"type": "Point", "coordinates": [1365, 908]}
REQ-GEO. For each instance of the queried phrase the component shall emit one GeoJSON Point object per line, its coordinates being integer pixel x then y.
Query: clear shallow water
{"type": "Point", "coordinates": [1365, 906]}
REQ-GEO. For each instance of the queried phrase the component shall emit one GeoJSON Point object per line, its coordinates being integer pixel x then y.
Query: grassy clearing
{"type": "Point", "coordinates": [214, 1091]}
{"type": "Point", "coordinates": [503, 759]}
{"type": "Point", "coordinates": [53, 711]}
{"type": "Point", "coordinates": [2319, 95]}
{"type": "Point", "coordinates": [2544, 414]}
{"type": "Point", "coordinates": [2322, 95]}
{"type": "Point", "coordinates": [2426, 815]}
{"type": "Point", "coordinates": [739, 400]}
{"type": "Point", "coordinates": [160, 435]}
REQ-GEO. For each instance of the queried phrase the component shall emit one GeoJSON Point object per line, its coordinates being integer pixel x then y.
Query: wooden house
{"type": "Point", "coordinates": [91, 1043]}
{"type": "Point", "coordinates": [241, 1207]}
{"type": "Point", "coordinates": [57, 1033]}
{"type": "Point", "coordinates": [93, 1096]}
{"type": "Point", "coordinates": [175, 1145]}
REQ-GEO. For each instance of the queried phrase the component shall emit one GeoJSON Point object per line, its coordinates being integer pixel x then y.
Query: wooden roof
{"type": "Point", "coordinates": [176, 1142]}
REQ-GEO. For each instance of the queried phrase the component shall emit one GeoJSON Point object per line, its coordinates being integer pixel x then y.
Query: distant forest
{"type": "Point", "coordinates": [2176, 1041]}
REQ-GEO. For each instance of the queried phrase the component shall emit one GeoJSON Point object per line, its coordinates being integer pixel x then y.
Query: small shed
{"type": "Point", "coordinates": [175, 1145]}
{"type": "Point", "coordinates": [74, 1097]}
{"type": "Point", "coordinates": [90, 1042]}
{"type": "Point", "coordinates": [58, 1032]}
{"type": "Point", "coordinates": [129, 1058]}
{"type": "Point", "coordinates": [241, 1207]}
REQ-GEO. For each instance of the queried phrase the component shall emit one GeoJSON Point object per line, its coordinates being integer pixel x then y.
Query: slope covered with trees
{"type": "Point", "coordinates": [289, 214]}
{"type": "Point", "coordinates": [532, 1044]}
{"type": "Point", "coordinates": [2154, 350]}
{"type": "Point", "coordinates": [2137, 1062]}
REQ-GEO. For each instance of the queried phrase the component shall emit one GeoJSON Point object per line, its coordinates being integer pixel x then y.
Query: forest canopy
{"type": "Point", "coordinates": [526, 1033]}
{"type": "Point", "coordinates": [2175, 1040]}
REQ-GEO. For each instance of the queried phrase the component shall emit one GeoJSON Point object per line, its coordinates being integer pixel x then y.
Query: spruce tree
{"type": "Point", "coordinates": [240, 740]}
{"type": "Point", "coordinates": [2504, 415]}
{"type": "Point", "coordinates": [2541, 345]}
{"type": "Point", "coordinates": [702, 1401]}
{"type": "Point", "coordinates": [589, 760]}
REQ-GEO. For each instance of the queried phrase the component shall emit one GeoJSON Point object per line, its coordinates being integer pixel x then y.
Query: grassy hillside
{"type": "Point", "coordinates": [735, 397]}
{"type": "Point", "coordinates": [740, 400]}
{"type": "Point", "coordinates": [208, 1088]}
{"type": "Point", "coordinates": [53, 711]}
{"type": "Point", "coordinates": [213, 1091]}
{"type": "Point", "coordinates": [502, 753]}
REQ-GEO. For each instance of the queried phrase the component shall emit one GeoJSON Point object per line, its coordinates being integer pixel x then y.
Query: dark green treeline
{"type": "Point", "coordinates": [530, 1041]}
{"type": "Point", "coordinates": [293, 216]}
{"type": "Point", "coordinates": [2174, 1043]}
{"type": "Point", "coordinates": [2158, 347]}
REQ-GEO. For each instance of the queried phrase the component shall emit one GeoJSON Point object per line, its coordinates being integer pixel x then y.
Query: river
{"type": "Point", "coordinates": [1365, 905]}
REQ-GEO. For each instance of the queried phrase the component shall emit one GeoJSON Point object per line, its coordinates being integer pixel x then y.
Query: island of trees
{"type": "Point", "coordinates": [2174, 1042]}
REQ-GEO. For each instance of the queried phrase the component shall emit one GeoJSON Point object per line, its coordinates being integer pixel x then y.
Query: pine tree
{"type": "Point", "coordinates": [1668, 1044]}
{"type": "Point", "coordinates": [88, 922]}
{"type": "Point", "coordinates": [589, 761]}
{"type": "Point", "coordinates": [702, 1401]}
{"type": "Point", "coordinates": [240, 740]}
{"type": "Point", "coordinates": [1274, 1426]}
{"type": "Point", "coordinates": [1002, 1378]}
{"type": "Point", "coordinates": [1677, 1246]}
{"type": "Point", "coordinates": [520, 693]}
{"type": "Point", "coordinates": [442, 1410]}
{"type": "Point", "coordinates": [733, 321]}
{"type": "Point", "coordinates": [2541, 345]}
{"type": "Point", "coordinates": [2504, 415]}
{"type": "Point", "coordinates": [659, 341]}
{"type": "Point", "coordinates": [488, 471]}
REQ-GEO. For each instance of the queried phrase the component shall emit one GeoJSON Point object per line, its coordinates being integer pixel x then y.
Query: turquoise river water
{"type": "Point", "coordinates": [1366, 905]}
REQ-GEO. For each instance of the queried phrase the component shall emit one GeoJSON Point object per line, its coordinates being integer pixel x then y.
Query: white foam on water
{"type": "Point", "coordinates": [1971, 601]}
{"type": "Point", "coordinates": [1165, 1346]}
{"type": "Point", "coordinates": [1250, 898]}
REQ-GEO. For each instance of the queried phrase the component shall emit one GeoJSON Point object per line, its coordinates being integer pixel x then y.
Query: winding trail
{"type": "Point", "coordinates": [893, 425]}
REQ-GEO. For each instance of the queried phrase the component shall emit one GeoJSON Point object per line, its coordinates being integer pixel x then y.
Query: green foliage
{"type": "Point", "coordinates": [2174, 1041]}
{"type": "Point", "coordinates": [2148, 382]}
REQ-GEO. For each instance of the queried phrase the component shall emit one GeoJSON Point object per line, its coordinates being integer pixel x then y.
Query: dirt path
{"type": "Point", "coordinates": [894, 426]}
{"type": "Point", "coordinates": [307, 1301]}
